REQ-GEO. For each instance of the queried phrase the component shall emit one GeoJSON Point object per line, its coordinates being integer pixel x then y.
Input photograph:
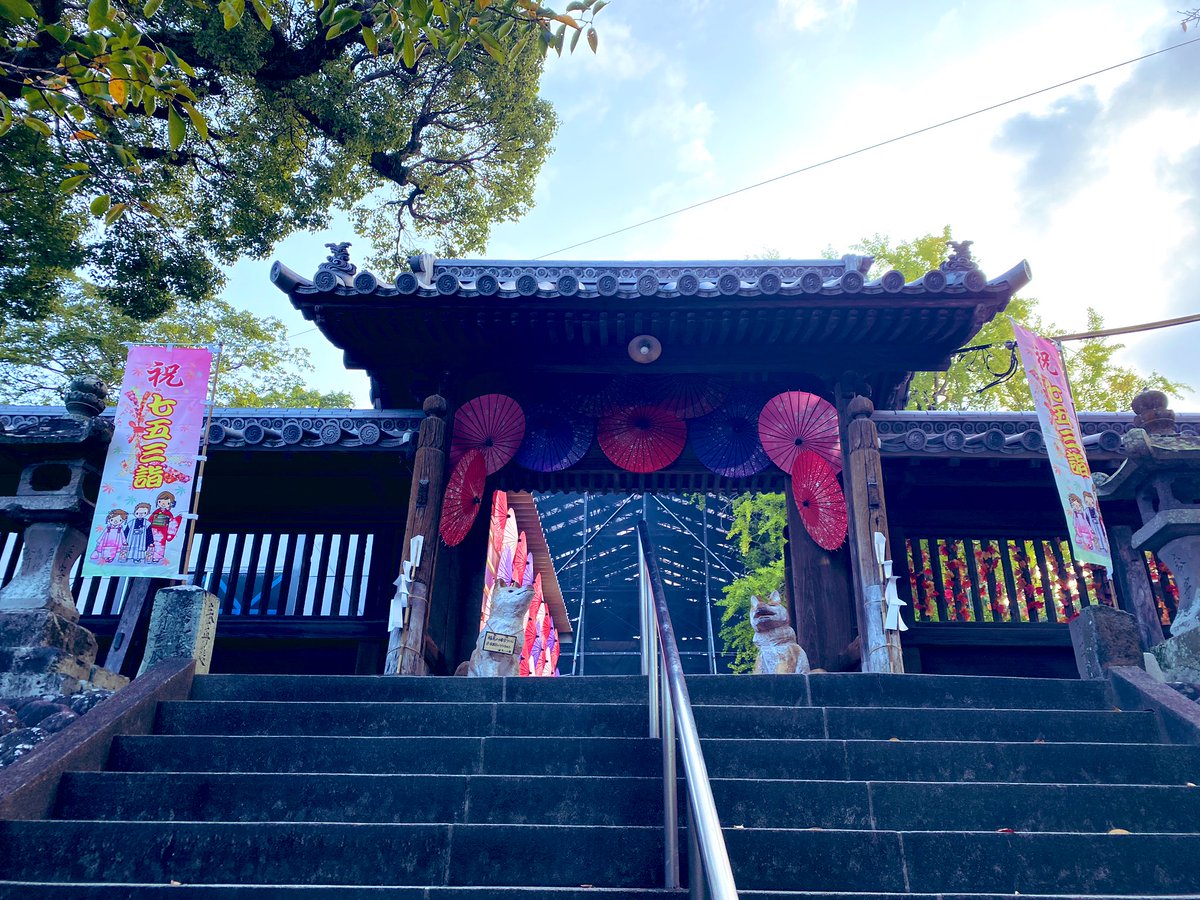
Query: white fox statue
{"type": "Point", "coordinates": [778, 651]}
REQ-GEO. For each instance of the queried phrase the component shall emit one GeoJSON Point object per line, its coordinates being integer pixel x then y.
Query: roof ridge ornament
{"type": "Point", "coordinates": [960, 257]}
{"type": "Point", "coordinates": [339, 260]}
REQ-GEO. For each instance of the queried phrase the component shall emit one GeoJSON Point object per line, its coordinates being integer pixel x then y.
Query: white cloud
{"type": "Point", "coordinates": [806, 15]}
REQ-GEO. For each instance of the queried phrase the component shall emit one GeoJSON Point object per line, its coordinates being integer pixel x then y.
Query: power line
{"type": "Point", "coordinates": [861, 150]}
{"type": "Point", "coordinates": [1128, 329]}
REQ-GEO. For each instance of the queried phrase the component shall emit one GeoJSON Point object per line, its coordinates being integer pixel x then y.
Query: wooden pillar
{"type": "Point", "coordinates": [863, 482]}
{"type": "Point", "coordinates": [820, 595]}
{"type": "Point", "coordinates": [406, 645]}
{"type": "Point", "coordinates": [1132, 583]}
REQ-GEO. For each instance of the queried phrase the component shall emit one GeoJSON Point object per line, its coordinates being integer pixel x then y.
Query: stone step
{"type": "Point", "coordinates": [1074, 865]}
{"type": "Point", "coordinates": [767, 690]}
{"type": "Point", "coordinates": [413, 755]}
{"type": "Point", "coordinates": [408, 689]}
{"type": "Point", "coordinates": [458, 799]}
{"type": "Point", "coordinates": [495, 856]}
{"type": "Point", "coordinates": [329, 853]}
{"type": "Point", "coordinates": [573, 800]}
{"type": "Point", "coordinates": [380, 719]}
{"type": "Point", "coordinates": [1025, 762]}
{"type": "Point", "coordinates": [926, 691]}
{"type": "Point", "coordinates": [621, 720]}
{"type": "Point", "coordinates": [922, 806]}
{"type": "Point", "coordinates": [14, 890]}
{"type": "Point", "coordinates": [969, 761]}
{"type": "Point", "coordinates": [920, 724]}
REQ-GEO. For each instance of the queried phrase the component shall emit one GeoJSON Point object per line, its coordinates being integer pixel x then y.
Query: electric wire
{"type": "Point", "coordinates": [862, 150]}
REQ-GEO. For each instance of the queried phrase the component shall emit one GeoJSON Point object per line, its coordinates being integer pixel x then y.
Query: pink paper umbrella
{"type": "Point", "coordinates": [642, 438]}
{"type": "Point", "coordinates": [492, 424]}
{"type": "Point", "coordinates": [794, 421]}
{"type": "Point", "coordinates": [819, 499]}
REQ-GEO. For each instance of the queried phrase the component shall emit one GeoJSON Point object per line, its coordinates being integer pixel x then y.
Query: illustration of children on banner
{"type": "Point", "coordinates": [149, 473]}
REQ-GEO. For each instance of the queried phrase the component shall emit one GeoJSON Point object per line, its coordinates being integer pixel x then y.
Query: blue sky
{"type": "Point", "coordinates": [1095, 184]}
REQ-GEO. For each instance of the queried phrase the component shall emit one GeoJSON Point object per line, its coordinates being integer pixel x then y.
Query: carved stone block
{"type": "Point", "coordinates": [1104, 637]}
{"type": "Point", "coordinates": [183, 623]}
{"type": "Point", "coordinates": [43, 653]}
{"type": "Point", "coordinates": [1179, 657]}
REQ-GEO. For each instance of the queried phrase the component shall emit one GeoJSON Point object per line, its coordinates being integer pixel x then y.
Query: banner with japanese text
{"type": "Point", "coordinates": [1064, 445]}
{"type": "Point", "coordinates": [149, 474]}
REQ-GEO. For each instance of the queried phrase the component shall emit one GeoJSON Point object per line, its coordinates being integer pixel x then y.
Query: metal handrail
{"type": "Point", "coordinates": [709, 872]}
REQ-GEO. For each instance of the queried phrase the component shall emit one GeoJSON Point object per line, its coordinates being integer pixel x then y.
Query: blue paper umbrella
{"type": "Point", "coordinates": [555, 439]}
{"type": "Point", "coordinates": [726, 440]}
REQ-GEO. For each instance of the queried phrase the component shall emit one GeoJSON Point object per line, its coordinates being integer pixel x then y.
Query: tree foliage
{"type": "Point", "coordinates": [155, 142]}
{"type": "Point", "coordinates": [86, 334]}
{"type": "Point", "coordinates": [758, 524]}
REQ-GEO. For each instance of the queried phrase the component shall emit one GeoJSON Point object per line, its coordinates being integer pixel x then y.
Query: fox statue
{"type": "Point", "coordinates": [778, 651]}
{"type": "Point", "coordinates": [510, 607]}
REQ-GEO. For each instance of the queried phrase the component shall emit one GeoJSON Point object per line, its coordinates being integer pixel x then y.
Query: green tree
{"type": "Point", "coordinates": [156, 142]}
{"type": "Point", "coordinates": [758, 524]}
{"type": "Point", "coordinates": [86, 334]}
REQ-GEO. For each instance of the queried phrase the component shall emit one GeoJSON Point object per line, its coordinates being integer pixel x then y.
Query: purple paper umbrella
{"type": "Point", "coordinates": [555, 439]}
{"type": "Point", "coordinates": [726, 440]}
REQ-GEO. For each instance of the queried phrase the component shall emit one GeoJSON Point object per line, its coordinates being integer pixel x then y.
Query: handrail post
{"type": "Point", "coordinates": [697, 884]}
{"type": "Point", "coordinates": [670, 793]}
{"type": "Point", "coordinates": [649, 639]}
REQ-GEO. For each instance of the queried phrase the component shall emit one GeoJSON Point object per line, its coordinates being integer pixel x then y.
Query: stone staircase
{"type": "Point", "coordinates": [831, 786]}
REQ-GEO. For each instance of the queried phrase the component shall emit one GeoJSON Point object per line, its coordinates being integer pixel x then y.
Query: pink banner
{"type": "Point", "coordinates": [1064, 445]}
{"type": "Point", "coordinates": [149, 474]}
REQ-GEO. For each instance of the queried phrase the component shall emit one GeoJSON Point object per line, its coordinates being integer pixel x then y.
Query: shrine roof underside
{"type": "Point", "coordinates": [475, 326]}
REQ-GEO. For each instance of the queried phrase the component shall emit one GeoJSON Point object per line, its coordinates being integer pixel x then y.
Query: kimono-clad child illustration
{"type": "Point", "coordinates": [164, 525]}
{"type": "Point", "coordinates": [112, 539]}
{"type": "Point", "coordinates": [1093, 516]}
{"type": "Point", "coordinates": [138, 537]}
{"type": "Point", "coordinates": [1080, 524]}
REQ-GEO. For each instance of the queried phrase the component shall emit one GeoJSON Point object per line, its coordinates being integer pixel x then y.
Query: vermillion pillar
{"type": "Point", "coordinates": [406, 645]}
{"type": "Point", "coordinates": [863, 478]}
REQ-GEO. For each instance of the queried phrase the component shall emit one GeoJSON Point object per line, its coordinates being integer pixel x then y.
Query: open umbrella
{"type": "Point", "coordinates": [642, 438]}
{"type": "Point", "coordinates": [493, 424]}
{"type": "Point", "coordinates": [819, 499]}
{"type": "Point", "coordinates": [520, 560]}
{"type": "Point", "coordinates": [615, 394]}
{"type": "Point", "coordinates": [463, 497]}
{"type": "Point", "coordinates": [795, 421]}
{"type": "Point", "coordinates": [689, 396]}
{"type": "Point", "coordinates": [495, 545]}
{"type": "Point", "coordinates": [555, 439]}
{"type": "Point", "coordinates": [726, 440]}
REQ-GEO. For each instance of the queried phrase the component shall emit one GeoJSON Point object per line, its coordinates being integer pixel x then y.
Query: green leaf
{"type": "Point", "coordinates": [60, 33]}
{"type": "Point", "coordinates": [37, 125]}
{"type": "Point", "coordinates": [492, 46]}
{"type": "Point", "coordinates": [176, 130]}
{"type": "Point", "coordinates": [575, 38]}
{"type": "Point", "coordinates": [68, 185]}
{"type": "Point", "coordinates": [100, 205]}
{"type": "Point", "coordinates": [264, 15]}
{"type": "Point", "coordinates": [151, 8]}
{"type": "Point", "coordinates": [16, 10]}
{"type": "Point", "coordinates": [98, 13]}
{"type": "Point", "coordinates": [198, 122]}
{"type": "Point", "coordinates": [410, 51]}
{"type": "Point", "coordinates": [370, 40]}
{"type": "Point", "coordinates": [6, 116]}
{"type": "Point", "coordinates": [599, 6]}
{"type": "Point", "coordinates": [115, 212]}
{"type": "Point", "coordinates": [439, 10]}
{"type": "Point", "coordinates": [592, 39]}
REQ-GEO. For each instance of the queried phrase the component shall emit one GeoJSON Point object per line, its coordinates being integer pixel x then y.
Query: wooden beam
{"type": "Point", "coordinates": [406, 645]}
{"type": "Point", "coordinates": [863, 483]}
{"type": "Point", "coordinates": [820, 595]}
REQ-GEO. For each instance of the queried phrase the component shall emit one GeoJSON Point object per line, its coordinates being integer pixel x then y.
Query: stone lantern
{"type": "Point", "coordinates": [1161, 472]}
{"type": "Point", "coordinates": [43, 649]}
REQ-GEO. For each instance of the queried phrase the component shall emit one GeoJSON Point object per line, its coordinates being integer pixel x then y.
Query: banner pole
{"type": "Point", "coordinates": [195, 506]}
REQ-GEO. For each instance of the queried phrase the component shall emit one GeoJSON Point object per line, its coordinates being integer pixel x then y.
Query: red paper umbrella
{"type": "Point", "coordinates": [689, 396]}
{"type": "Point", "coordinates": [464, 496]}
{"type": "Point", "coordinates": [642, 438]}
{"type": "Point", "coordinates": [820, 499]}
{"type": "Point", "coordinates": [493, 424]}
{"type": "Point", "coordinates": [795, 421]}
